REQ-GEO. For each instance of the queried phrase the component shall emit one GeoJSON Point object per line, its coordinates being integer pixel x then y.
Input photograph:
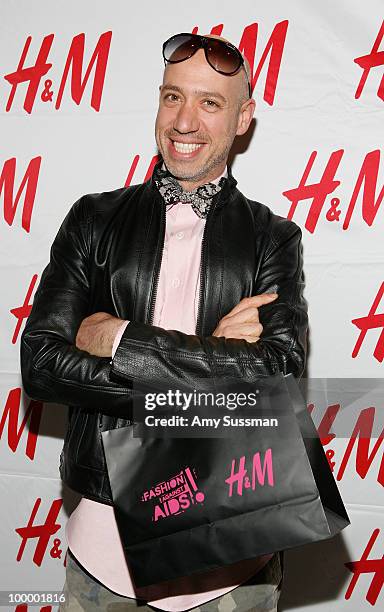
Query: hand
{"type": "Point", "coordinates": [242, 322]}
{"type": "Point", "coordinates": [97, 333]}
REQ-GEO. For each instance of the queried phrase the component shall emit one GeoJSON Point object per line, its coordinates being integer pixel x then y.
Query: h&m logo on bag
{"type": "Point", "coordinates": [174, 495]}
{"type": "Point", "coordinates": [259, 474]}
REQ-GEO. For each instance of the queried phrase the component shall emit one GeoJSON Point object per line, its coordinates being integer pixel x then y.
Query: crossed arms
{"type": "Point", "coordinates": [247, 342]}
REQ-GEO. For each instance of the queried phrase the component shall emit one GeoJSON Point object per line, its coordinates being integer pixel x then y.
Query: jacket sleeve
{"type": "Point", "coordinates": [147, 354]}
{"type": "Point", "coordinates": [52, 368]}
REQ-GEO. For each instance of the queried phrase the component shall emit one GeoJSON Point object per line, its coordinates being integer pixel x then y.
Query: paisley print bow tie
{"type": "Point", "coordinates": [199, 198]}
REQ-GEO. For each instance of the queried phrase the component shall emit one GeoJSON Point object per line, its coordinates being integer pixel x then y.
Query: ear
{"type": "Point", "coordinates": [246, 113]}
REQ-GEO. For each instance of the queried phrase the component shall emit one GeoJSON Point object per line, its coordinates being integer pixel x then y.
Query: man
{"type": "Point", "coordinates": [179, 279]}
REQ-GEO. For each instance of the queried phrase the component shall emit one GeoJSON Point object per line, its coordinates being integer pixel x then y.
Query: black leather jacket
{"type": "Point", "coordinates": [106, 257]}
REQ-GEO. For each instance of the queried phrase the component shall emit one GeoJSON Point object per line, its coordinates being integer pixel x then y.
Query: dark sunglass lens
{"type": "Point", "coordinates": [179, 48]}
{"type": "Point", "coordinates": [222, 57]}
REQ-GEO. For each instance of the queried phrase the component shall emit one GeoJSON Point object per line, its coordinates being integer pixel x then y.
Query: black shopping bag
{"type": "Point", "coordinates": [186, 505]}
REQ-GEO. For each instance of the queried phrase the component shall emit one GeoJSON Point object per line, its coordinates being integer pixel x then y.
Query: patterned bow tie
{"type": "Point", "coordinates": [199, 198]}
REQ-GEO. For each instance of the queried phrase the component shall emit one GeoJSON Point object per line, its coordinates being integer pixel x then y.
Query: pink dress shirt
{"type": "Point", "coordinates": [91, 530]}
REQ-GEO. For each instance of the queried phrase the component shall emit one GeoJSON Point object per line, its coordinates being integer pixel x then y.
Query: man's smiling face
{"type": "Point", "coordinates": [200, 112]}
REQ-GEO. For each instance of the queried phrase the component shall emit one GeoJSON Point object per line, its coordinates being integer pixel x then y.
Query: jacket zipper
{"type": "Point", "coordinates": [203, 265]}
{"type": "Point", "coordinates": [157, 263]}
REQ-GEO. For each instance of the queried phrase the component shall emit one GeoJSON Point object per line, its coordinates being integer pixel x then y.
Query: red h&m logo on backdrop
{"type": "Point", "coordinates": [317, 192]}
{"type": "Point", "coordinates": [43, 533]}
{"type": "Point", "coordinates": [373, 320]}
{"type": "Point", "coordinates": [368, 566]}
{"type": "Point", "coordinates": [374, 59]}
{"type": "Point", "coordinates": [132, 170]}
{"type": "Point", "coordinates": [274, 48]}
{"type": "Point", "coordinates": [75, 58]}
{"type": "Point", "coordinates": [12, 412]}
{"type": "Point", "coordinates": [29, 184]}
{"type": "Point", "coordinates": [362, 433]}
{"type": "Point", "coordinates": [22, 312]}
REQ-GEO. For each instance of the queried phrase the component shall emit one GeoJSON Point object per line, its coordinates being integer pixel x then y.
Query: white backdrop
{"type": "Point", "coordinates": [319, 124]}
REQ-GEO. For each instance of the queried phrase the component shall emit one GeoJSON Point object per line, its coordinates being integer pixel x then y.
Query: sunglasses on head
{"type": "Point", "coordinates": [220, 55]}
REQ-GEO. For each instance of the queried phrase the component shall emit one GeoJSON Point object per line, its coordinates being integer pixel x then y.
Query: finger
{"type": "Point", "coordinates": [237, 331]}
{"type": "Point", "coordinates": [246, 315]}
{"type": "Point", "coordinates": [247, 329]}
{"type": "Point", "coordinates": [253, 301]}
{"type": "Point", "coordinates": [238, 336]}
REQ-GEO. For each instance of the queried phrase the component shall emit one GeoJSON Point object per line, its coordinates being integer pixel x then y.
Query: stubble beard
{"type": "Point", "coordinates": [207, 168]}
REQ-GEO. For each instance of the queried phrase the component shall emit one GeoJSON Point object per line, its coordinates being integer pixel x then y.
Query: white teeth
{"type": "Point", "coordinates": [182, 147]}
